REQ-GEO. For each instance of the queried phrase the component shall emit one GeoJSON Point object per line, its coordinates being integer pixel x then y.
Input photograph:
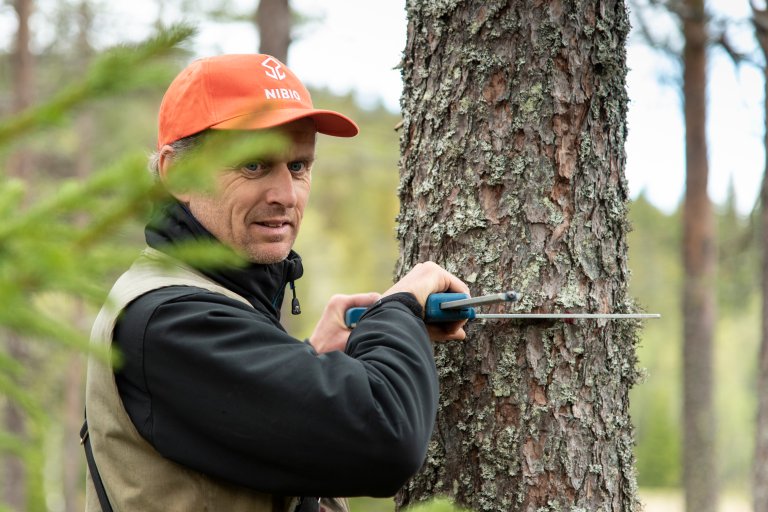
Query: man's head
{"type": "Point", "coordinates": [256, 207]}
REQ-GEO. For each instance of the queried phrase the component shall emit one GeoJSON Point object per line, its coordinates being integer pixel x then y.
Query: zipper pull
{"type": "Point", "coordinates": [295, 306]}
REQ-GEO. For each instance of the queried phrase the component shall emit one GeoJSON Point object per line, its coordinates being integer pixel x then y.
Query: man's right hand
{"type": "Point", "coordinates": [425, 279]}
{"type": "Point", "coordinates": [330, 332]}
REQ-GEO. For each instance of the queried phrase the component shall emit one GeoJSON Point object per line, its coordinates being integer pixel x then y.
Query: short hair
{"type": "Point", "coordinates": [180, 148]}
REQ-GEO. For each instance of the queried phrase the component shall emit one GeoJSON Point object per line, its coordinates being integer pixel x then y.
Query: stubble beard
{"type": "Point", "coordinates": [265, 257]}
{"type": "Point", "coordinates": [266, 250]}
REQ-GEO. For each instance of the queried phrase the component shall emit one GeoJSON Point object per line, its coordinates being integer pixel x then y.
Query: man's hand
{"type": "Point", "coordinates": [330, 332]}
{"type": "Point", "coordinates": [428, 278]}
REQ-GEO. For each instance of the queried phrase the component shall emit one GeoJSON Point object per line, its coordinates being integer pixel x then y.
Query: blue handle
{"type": "Point", "coordinates": [352, 316]}
{"type": "Point", "coordinates": [432, 312]}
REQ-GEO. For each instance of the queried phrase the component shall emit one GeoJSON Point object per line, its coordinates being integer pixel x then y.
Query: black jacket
{"type": "Point", "coordinates": [219, 387]}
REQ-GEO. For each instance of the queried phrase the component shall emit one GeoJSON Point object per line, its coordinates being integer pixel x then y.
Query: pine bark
{"type": "Point", "coordinates": [760, 463]}
{"type": "Point", "coordinates": [274, 21]}
{"type": "Point", "coordinates": [699, 263]}
{"type": "Point", "coordinates": [512, 177]}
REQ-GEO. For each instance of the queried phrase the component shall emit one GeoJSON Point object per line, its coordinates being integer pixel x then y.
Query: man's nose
{"type": "Point", "coordinates": [282, 187]}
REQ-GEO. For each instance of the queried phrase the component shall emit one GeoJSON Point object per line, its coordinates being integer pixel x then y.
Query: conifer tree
{"type": "Point", "coordinates": [512, 177]}
{"type": "Point", "coordinates": [760, 463]}
{"type": "Point", "coordinates": [699, 284]}
{"type": "Point", "coordinates": [274, 21]}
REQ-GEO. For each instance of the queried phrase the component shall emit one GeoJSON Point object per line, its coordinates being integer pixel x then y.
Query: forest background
{"type": "Point", "coordinates": [347, 241]}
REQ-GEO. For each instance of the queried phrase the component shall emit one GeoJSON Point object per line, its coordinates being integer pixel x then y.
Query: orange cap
{"type": "Point", "coordinates": [240, 92]}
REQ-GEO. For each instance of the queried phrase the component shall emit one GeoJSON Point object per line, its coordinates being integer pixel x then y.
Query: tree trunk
{"type": "Point", "coordinates": [22, 66]}
{"type": "Point", "coordinates": [699, 262]}
{"type": "Point", "coordinates": [512, 177]}
{"type": "Point", "coordinates": [273, 21]}
{"type": "Point", "coordinates": [73, 468]}
{"type": "Point", "coordinates": [22, 72]}
{"type": "Point", "coordinates": [760, 464]}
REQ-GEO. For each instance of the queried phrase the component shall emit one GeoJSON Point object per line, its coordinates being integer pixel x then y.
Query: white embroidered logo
{"type": "Point", "coordinates": [273, 69]}
{"type": "Point", "coordinates": [285, 94]}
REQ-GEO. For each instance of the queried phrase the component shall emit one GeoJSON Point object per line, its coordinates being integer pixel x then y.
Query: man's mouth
{"type": "Point", "coordinates": [274, 227]}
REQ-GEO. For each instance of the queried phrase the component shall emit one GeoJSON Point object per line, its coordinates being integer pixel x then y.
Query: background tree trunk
{"type": "Point", "coordinates": [23, 64]}
{"type": "Point", "coordinates": [73, 470]}
{"type": "Point", "coordinates": [22, 68]}
{"type": "Point", "coordinates": [274, 21]}
{"type": "Point", "coordinates": [22, 71]}
{"type": "Point", "coordinates": [760, 465]}
{"type": "Point", "coordinates": [699, 263]}
{"type": "Point", "coordinates": [512, 177]}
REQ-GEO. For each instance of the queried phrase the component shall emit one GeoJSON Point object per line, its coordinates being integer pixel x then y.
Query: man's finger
{"type": "Point", "coordinates": [447, 332]}
{"type": "Point", "coordinates": [360, 299]}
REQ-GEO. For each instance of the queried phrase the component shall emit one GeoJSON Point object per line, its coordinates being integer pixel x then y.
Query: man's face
{"type": "Point", "coordinates": [257, 208]}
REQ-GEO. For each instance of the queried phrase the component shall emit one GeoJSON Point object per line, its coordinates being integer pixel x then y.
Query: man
{"type": "Point", "coordinates": [215, 406]}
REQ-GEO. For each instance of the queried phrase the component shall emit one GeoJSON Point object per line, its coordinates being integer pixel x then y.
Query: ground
{"type": "Point", "coordinates": [672, 501]}
{"type": "Point", "coordinates": [654, 500]}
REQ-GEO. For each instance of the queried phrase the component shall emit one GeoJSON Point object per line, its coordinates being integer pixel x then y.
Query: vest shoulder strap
{"type": "Point", "coordinates": [101, 493]}
{"type": "Point", "coordinates": [153, 270]}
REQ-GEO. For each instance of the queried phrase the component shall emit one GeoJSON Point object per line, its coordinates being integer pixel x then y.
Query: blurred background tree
{"type": "Point", "coordinates": [699, 255]}
{"type": "Point", "coordinates": [760, 462]}
{"type": "Point", "coordinates": [72, 220]}
{"type": "Point", "coordinates": [22, 71]}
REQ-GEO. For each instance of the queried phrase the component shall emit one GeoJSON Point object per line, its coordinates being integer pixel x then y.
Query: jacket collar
{"type": "Point", "coordinates": [263, 285]}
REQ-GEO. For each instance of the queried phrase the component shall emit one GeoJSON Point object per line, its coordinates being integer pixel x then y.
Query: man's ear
{"type": "Point", "coordinates": [165, 163]}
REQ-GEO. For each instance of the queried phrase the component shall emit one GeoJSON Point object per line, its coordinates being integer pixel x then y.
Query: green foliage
{"type": "Point", "coordinates": [738, 259]}
{"type": "Point", "coordinates": [656, 403]}
{"type": "Point", "coordinates": [654, 259]}
{"type": "Point", "coordinates": [57, 244]}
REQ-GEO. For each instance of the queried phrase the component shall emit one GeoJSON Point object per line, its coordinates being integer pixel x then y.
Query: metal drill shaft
{"type": "Point", "coordinates": [567, 316]}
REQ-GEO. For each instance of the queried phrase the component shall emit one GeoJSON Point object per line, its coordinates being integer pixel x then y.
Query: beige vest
{"type": "Point", "coordinates": [135, 476]}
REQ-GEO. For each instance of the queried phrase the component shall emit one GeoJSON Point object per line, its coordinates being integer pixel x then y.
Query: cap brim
{"type": "Point", "coordinates": [327, 122]}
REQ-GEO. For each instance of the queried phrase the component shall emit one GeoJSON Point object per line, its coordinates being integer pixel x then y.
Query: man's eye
{"type": "Point", "coordinates": [297, 167]}
{"type": "Point", "coordinates": [253, 166]}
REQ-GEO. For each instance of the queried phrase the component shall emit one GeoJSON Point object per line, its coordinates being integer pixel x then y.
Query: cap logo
{"type": "Point", "coordinates": [273, 68]}
{"type": "Point", "coordinates": [285, 94]}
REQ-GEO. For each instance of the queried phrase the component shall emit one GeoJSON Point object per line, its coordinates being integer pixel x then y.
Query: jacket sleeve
{"type": "Point", "coordinates": [221, 388]}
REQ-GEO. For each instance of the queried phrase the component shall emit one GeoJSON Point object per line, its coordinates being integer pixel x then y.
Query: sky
{"type": "Point", "coordinates": [361, 42]}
